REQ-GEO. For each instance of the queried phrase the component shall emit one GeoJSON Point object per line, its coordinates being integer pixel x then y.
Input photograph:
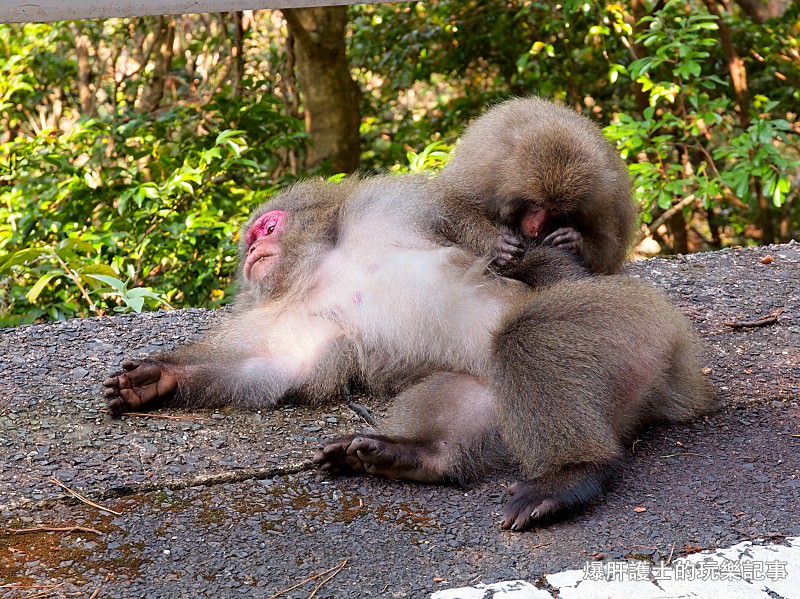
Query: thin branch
{"type": "Point", "coordinates": [771, 318]}
{"type": "Point", "coordinates": [14, 585]}
{"type": "Point", "coordinates": [338, 569]}
{"type": "Point", "coordinates": [166, 416]}
{"type": "Point", "coordinates": [75, 279]}
{"type": "Point", "coordinates": [25, 531]}
{"type": "Point", "coordinates": [81, 498]}
{"type": "Point", "coordinates": [320, 585]}
{"type": "Point", "coordinates": [668, 214]}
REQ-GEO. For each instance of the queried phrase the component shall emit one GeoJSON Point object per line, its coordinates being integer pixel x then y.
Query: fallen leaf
{"type": "Point", "coordinates": [639, 509]}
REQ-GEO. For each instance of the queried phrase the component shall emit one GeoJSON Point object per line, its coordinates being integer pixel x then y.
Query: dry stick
{"type": "Point", "coordinates": [80, 497]}
{"type": "Point", "coordinates": [167, 416]}
{"type": "Point", "coordinates": [771, 318]}
{"type": "Point", "coordinates": [320, 585]}
{"type": "Point", "coordinates": [14, 585]}
{"type": "Point", "coordinates": [95, 593]}
{"type": "Point", "coordinates": [683, 453]}
{"type": "Point", "coordinates": [44, 593]}
{"type": "Point", "coordinates": [309, 579]}
{"type": "Point", "coordinates": [25, 531]}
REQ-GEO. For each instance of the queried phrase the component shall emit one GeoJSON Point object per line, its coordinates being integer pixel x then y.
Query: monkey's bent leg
{"type": "Point", "coordinates": [138, 386]}
{"type": "Point", "coordinates": [442, 429]}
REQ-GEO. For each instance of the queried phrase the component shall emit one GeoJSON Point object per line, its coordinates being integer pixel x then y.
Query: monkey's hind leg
{"type": "Point", "coordinates": [442, 429]}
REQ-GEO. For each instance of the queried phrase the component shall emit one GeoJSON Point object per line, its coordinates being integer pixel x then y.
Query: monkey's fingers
{"type": "Point", "coordinates": [507, 247]}
{"type": "Point", "coordinates": [566, 238]}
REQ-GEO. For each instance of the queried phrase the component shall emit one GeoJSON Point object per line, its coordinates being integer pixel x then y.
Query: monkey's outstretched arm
{"type": "Point", "coordinates": [142, 385]}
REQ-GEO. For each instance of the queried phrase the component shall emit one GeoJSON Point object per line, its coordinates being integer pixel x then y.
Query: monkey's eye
{"type": "Point", "coordinates": [270, 229]}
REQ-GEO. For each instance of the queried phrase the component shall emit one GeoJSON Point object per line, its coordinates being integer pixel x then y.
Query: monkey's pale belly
{"type": "Point", "coordinates": [397, 301]}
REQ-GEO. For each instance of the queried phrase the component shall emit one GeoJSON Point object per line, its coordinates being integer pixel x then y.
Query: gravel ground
{"type": "Point", "coordinates": [225, 503]}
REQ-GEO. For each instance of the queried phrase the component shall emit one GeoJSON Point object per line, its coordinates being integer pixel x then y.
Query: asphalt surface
{"type": "Point", "coordinates": [226, 503]}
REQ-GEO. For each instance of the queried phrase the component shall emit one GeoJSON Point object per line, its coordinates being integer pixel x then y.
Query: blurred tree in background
{"type": "Point", "coordinates": [133, 149]}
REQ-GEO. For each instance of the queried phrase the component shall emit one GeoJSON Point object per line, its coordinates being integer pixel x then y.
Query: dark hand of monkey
{"type": "Point", "coordinates": [137, 385]}
{"type": "Point", "coordinates": [566, 238]}
{"type": "Point", "coordinates": [506, 248]}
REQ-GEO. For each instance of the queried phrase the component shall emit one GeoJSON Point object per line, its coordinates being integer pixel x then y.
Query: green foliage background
{"type": "Point", "coordinates": [110, 201]}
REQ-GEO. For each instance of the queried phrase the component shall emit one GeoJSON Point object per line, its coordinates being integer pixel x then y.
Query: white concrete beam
{"type": "Point", "coordinates": [31, 11]}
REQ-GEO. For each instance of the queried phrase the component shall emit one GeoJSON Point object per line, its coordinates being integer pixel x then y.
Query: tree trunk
{"type": "Point", "coordinates": [330, 96]}
{"type": "Point", "coordinates": [764, 218]}
{"type": "Point", "coordinates": [736, 67]}
{"type": "Point", "coordinates": [761, 11]}
{"type": "Point", "coordinates": [238, 53]}
{"type": "Point", "coordinates": [680, 239]}
{"type": "Point", "coordinates": [164, 46]}
{"type": "Point", "coordinates": [85, 95]}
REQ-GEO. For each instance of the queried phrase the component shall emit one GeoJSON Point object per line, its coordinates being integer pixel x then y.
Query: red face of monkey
{"type": "Point", "coordinates": [263, 244]}
{"type": "Point", "coordinates": [534, 220]}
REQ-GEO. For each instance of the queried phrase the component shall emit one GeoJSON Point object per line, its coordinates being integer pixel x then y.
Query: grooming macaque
{"type": "Point", "coordinates": [543, 172]}
{"type": "Point", "coordinates": [551, 373]}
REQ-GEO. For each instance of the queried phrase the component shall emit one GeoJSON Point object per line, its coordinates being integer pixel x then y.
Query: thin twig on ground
{"type": "Point", "coordinates": [771, 318]}
{"type": "Point", "coordinates": [81, 498]}
{"type": "Point", "coordinates": [338, 569]}
{"type": "Point", "coordinates": [166, 416]}
{"type": "Point", "coordinates": [25, 531]}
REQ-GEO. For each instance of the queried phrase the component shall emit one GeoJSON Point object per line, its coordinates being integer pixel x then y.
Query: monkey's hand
{"type": "Point", "coordinates": [506, 248]}
{"type": "Point", "coordinates": [138, 385]}
{"type": "Point", "coordinates": [566, 238]}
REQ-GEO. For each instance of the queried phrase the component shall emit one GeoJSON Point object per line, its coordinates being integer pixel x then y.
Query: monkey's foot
{"type": "Point", "coordinates": [334, 458]}
{"type": "Point", "coordinates": [528, 505]}
{"type": "Point", "coordinates": [379, 456]}
{"type": "Point", "coordinates": [567, 239]}
{"type": "Point", "coordinates": [138, 385]}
